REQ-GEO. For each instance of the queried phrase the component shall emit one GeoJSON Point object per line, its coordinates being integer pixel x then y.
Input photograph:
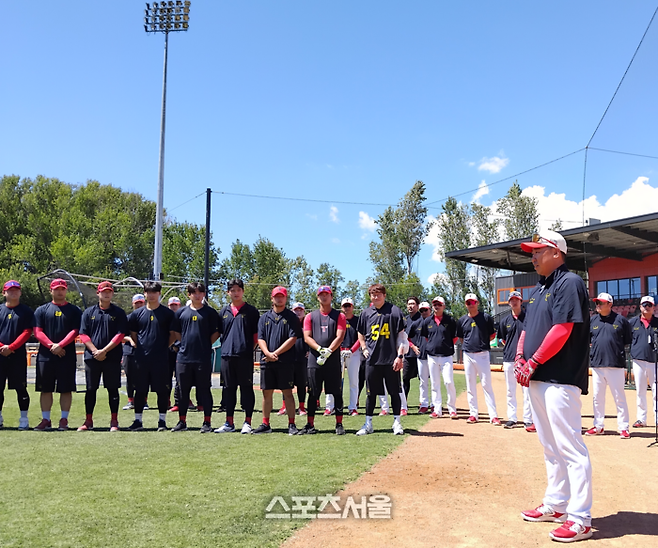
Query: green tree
{"type": "Point", "coordinates": [519, 212]}
{"type": "Point", "coordinates": [184, 251]}
{"type": "Point", "coordinates": [454, 234]}
{"type": "Point", "coordinates": [331, 276]}
{"type": "Point", "coordinates": [304, 286]}
{"type": "Point", "coordinates": [485, 231]}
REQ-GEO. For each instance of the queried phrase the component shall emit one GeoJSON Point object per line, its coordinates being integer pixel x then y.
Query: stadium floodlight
{"type": "Point", "coordinates": [163, 17]}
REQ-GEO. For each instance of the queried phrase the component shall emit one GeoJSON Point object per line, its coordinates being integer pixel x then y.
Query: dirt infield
{"type": "Point", "coordinates": [456, 485]}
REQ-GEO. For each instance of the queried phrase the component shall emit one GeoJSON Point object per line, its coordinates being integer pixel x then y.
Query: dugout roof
{"type": "Point", "coordinates": [632, 238]}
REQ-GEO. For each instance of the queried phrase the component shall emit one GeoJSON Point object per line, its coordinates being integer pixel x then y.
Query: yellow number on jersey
{"type": "Point", "coordinates": [378, 331]}
{"type": "Point", "coordinates": [375, 332]}
{"type": "Point", "coordinates": [385, 331]}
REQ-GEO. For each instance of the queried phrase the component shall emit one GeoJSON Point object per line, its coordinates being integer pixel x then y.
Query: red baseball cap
{"type": "Point", "coordinates": [58, 283]}
{"type": "Point", "coordinates": [11, 283]}
{"type": "Point", "coordinates": [325, 289]}
{"type": "Point", "coordinates": [280, 290]}
{"type": "Point", "coordinates": [103, 286]}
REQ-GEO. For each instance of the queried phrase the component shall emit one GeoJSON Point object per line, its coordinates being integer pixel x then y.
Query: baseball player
{"type": "Point", "coordinates": [552, 359]}
{"type": "Point", "coordinates": [174, 305]}
{"type": "Point", "coordinates": [351, 352]}
{"type": "Point", "coordinates": [128, 359]}
{"type": "Point", "coordinates": [196, 327]}
{"type": "Point", "coordinates": [238, 328]}
{"type": "Point", "coordinates": [509, 330]}
{"type": "Point", "coordinates": [57, 321]}
{"type": "Point", "coordinates": [301, 364]}
{"type": "Point", "coordinates": [278, 330]}
{"type": "Point", "coordinates": [476, 331]}
{"type": "Point", "coordinates": [644, 329]}
{"type": "Point", "coordinates": [103, 327]}
{"type": "Point", "coordinates": [384, 343]}
{"type": "Point", "coordinates": [324, 330]}
{"type": "Point", "coordinates": [16, 323]}
{"type": "Point", "coordinates": [425, 310]}
{"type": "Point", "coordinates": [609, 334]}
{"type": "Point", "coordinates": [412, 321]}
{"type": "Point", "coordinates": [440, 330]}
{"type": "Point", "coordinates": [150, 327]}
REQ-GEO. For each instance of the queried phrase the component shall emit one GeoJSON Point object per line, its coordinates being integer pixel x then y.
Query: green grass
{"type": "Point", "coordinates": [137, 489]}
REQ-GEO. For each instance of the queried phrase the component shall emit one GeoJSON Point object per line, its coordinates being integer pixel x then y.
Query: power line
{"type": "Point", "coordinates": [288, 198]}
{"type": "Point", "coordinates": [626, 153]}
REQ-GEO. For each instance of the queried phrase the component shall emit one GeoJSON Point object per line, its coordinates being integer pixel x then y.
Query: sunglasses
{"type": "Point", "coordinates": [438, 304]}
{"type": "Point", "coordinates": [647, 305]}
{"type": "Point", "coordinates": [536, 238]}
{"type": "Point", "coordinates": [347, 305]}
{"type": "Point", "coordinates": [471, 302]}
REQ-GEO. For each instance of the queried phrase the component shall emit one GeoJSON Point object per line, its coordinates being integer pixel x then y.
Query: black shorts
{"type": "Point", "coordinates": [152, 375]}
{"type": "Point", "coordinates": [410, 369]}
{"type": "Point", "coordinates": [194, 374]}
{"type": "Point", "coordinates": [301, 374]}
{"type": "Point", "coordinates": [55, 375]}
{"type": "Point", "coordinates": [111, 371]}
{"type": "Point", "coordinates": [14, 371]}
{"type": "Point", "coordinates": [329, 376]}
{"type": "Point", "coordinates": [377, 375]}
{"type": "Point", "coordinates": [277, 376]}
{"type": "Point", "coordinates": [238, 371]}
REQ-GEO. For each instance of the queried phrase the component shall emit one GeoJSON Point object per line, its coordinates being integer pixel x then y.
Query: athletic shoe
{"type": "Point", "coordinates": [191, 406]}
{"type": "Point", "coordinates": [434, 415]}
{"type": "Point", "coordinates": [246, 428]}
{"type": "Point", "coordinates": [625, 435]}
{"type": "Point", "coordinates": [496, 421]}
{"type": "Point", "coordinates": [130, 405]}
{"type": "Point", "coordinates": [308, 429]}
{"type": "Point", "coordinates": [302, 412]}
{"type": "Point", "coordinates": [453, 416]}
{"type": "Point", "coordinates": [146, 406]}
{"type": "Point", "coordinates": [510, 424]}
{"type": "Point", "coordinates": [199, 408]}
{"type": "Point", "coordinates": [23, 424]}
{"type": "Point", "coordinates": [594, 431]}
{"type": "Point", "coordinates": [543, 513]}
{"type": "Point", "coordinates": [205, 428]}
{"type": "Point", "coordinates": [63, 425]}
{"type": "Point", "coordinates": [135, 426]}
{"type": "Point", "coordinates": [403, 413]}
{"type": "Point", "coordinates": [570, 531]}
{"type": "Point", "coordinates": [422, 410]}
{"type": "Point", "coordinates": [162, 426]}
{"type": "Point", "coordinates": [639, 424]}
{"type": "Point", "coordinates": [174, 409]}
{"type": "Point", "coordinates": [114, 426]}
{"type": "Point", "coordinates": [353, 413]}
{"type": "Point", "coordinates": [43, 426]}
{"type": "Point", "coordinates": [221, 409]}
{"type": "Point", "coordinates": [226, 427]}
{"type": "Point", "coordinates": [340, 429]}
{"type": "Point", "coordinates": [262, 429]}
{"type": "Point", "coordinates": [397, 429]}
{"type": "Point", "coordinates": [383, 413]}
{"type": "Point", "coordinates": [292, 429]}
{"type": "Point", "coordinates": [282, 411]}
{"type": "Point", "coordinates": [327, 412]}
{"type": "Point", "coordinates": [181, 426]}
{"type": "Point", "coordinates": [530, 427]}
{"type": "Point", "coordinates": [88, 425]}
{"type": "Point", "coordinates": [366, 429]}
{"type": "Point", "coordinates": [471, 420]}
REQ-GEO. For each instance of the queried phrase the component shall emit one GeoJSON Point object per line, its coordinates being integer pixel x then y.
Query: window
{"type": "Point", "coordinates": [626, 288]}
{"type": "Point", "coordinates": [652, 285]}
{"type": "Point", "coordinates": [503, 294]}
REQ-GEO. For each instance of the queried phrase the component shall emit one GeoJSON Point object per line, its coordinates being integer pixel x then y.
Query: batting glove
{"type": "Point", "coordinates": [524, 371]}
{"type": "Point", "coordinates": [324, 355]}
{"type": "Point", "coordinates": [345, 354]}
{"type": "Point", "coordinates": [366, 353]}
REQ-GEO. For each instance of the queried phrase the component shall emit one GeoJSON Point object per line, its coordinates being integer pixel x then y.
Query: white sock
{"type": "Point", "coordinates": [45, 415]}
{"type": "Point", "coordinates": [396, 418]}
{"type": "Point", "coordinates": [369, 421]}
{"type": "Point", "coordinates": [65, 414]}
{"type": "Point", "coordinates": [24, 414]}
{"type": "Point", "coordinates": [138, 416]}
{"type": "Point", "coordinates": [162, 416]}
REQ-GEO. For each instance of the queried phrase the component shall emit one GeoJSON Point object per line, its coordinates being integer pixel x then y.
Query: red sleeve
{"type": "Point", "coordinates": [519, 344]}
{"type": "Point", "coordinates": [255, 338]}
{"type": "Point", "coordinates": [454, 340]}
{"type": "Point", "coordinates": [20, 340]}
{"type": "Point", "coordinates": [342, 321]}
{"type": "Point", "coordinates": [42, 338]}
{"type": "Point", "coordinates": [117, 339]}
{"type": "Point", "coordinates": [70, 337]}
{"type": "Point", "coordinates": [553, 342]}
{"type": "Point", "coordinates": [85, 339]}
{"type": "Point", "coordinates": [307, 323]}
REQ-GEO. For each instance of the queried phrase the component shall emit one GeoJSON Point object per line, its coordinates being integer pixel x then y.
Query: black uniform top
{"type": "Point", "coordinates": [196, 327]}
{"type": "Point", "coordinates": [13, 321]}
{"type": "Point", "coordinates": [509, 331]}
{"type": "Point", "coordinates": [560, 298]}
{"type": "Point", "coordinates": [301, 349]}
{"type": "Point", "coordinates": [609, 335]}
{"type": "Point", "coordinates": [57, 322]}
{"type": "Point", "coordinates": [324, 328]}
{"type": "Point", "coordinates": [380, 327]}
{"type": "Point", "coordinates": [237, 332]}
{"type": "Point", "coordinates": [351, 335]}
{"type": "Point", "coordinates": [153, 329]}
{"type": "Point", "coordinates": [439, 337]}
{"type": "Point", "coordinates": [128, 349]}
{"type": "Point", "coordinates": [476, 332]}
{"type": "Point", "coordinates": [101, 326]}
{"type": "Point", "coordinates": [275, 329]}
{"type": "Point", "coordinates": [413, 332]}
{"type": "Point", "coordinates": [641, 348]}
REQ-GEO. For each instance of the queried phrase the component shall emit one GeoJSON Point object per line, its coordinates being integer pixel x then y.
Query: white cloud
{"type": "Point", "coordinates": [366, 222]}
{"type": "Point", "coordinates": [333, 214]}
{"type": "Point", "coordinates": [482, 190]}
{"type": "Point", "coordinates": [493, 165]}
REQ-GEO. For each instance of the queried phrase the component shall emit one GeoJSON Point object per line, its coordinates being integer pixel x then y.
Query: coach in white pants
{"type": "Point", "coordinates": [609, 334]}
{"type": "Point", "coordinates": [423, 366]}
{"type": "Point", "coordinates": [476, 330]}
{"type": "Point", "coordinates": [644, 328]}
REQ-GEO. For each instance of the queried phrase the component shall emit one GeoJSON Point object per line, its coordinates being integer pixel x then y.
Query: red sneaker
{"type": "Point", "coordinates": [543, 513]}
{"type": "Point", "coordinates": [43, 426]}
{"type": "Point", "coordinates": [403, 413]}
{"type": "Point", "coordinates": [531, 428]}
{"type": "Point", "coordinates": [570, 531]}
{"type": "Point", "coordinates": [88, 425]}
{"type": "Point", "coordinates": [302, 412]}
{"type": "Point", "coordinates": [422, 410]}
{"type": "Point", "coordinates": [353, 413]}
{"type": "Point", "coordinates": [496, 421]}
{"type": "Point", "coordinates": [471, 420]}
{"type": "Point", "coordinates": [453, 416]}
{"type": "Point", "coordinates": [625, 435]}
{"type": "Point", "coordinates": [434, 415]}
{"type": "Point", "coordinates": [114, 426]}
{"type": "Point", "coordinates": [383, 413]}
{"type": "Point", "coordinates": [327, 412]}
{"type": "Point", "coordinates": [63, 425]}
{"type": "Point", "coordinates": [594, 431]}
{"type": "Point", "coordinates": [282, 411]}
{"type": "Point", "coordinates": [174, 409]}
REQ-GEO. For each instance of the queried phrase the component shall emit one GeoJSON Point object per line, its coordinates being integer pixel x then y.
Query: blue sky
{"type": "Point", "coordinates": [343, 101]}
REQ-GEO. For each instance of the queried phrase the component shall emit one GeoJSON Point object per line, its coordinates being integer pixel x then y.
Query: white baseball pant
{"type": "Point", "coordinates": [557, 413]}
{"type": "Point", "coordinates": [644, 373]}
{"type": "Point", "coordinates": [441, 367]}
{"type": "Point", "coordinates": [512, 386]}
{"type": "Point", "coordinates": [383, 400]}
{"type": "Point", "coordinates": [477, 363]}
{"type": "Point", "coordinates": [614, 378]}
{"type": "Point", "coordinates": [423, 376]}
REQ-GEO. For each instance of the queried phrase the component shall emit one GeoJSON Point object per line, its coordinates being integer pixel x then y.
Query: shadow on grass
{"type": "Point", "coordinates": [434, 434]}
{"type": "Point", "coordinates": [626, 523]}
